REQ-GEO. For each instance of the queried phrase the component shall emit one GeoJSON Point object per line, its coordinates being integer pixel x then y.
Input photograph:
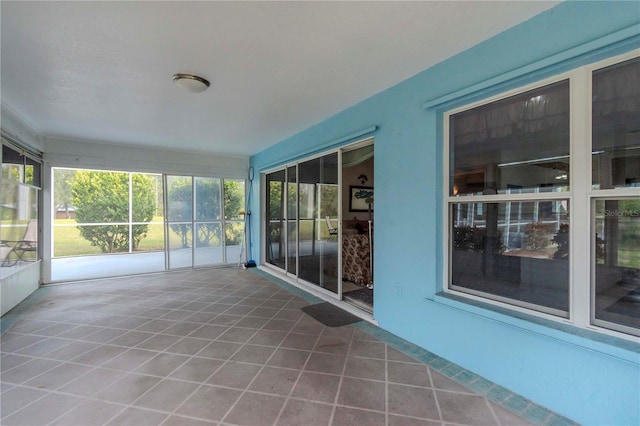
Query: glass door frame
{"type": "Point", "coordinates": [195, 222]}
{"type": "Point", "coordinates": [167, 221]}
{"type": "Point", "coordinates": [317, 222]}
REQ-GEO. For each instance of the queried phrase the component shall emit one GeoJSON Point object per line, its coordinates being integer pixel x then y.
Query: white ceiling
{"type": "Point", "coordinates": [101, 71]}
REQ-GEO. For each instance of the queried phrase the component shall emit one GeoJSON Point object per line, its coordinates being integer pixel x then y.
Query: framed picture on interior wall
{"type": "Point", "coordinates": [358, 196]}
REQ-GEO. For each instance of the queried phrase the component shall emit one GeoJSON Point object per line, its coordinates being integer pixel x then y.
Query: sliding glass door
{"type": "Point", "coordinates": [299, 200]}
{"type": "Point", "coordinates": [275, 241]}
{"type": "Point", "coordinates": [292, 220]}
{"type": "Point", "coordinates": [318, 254]}
{"type": "Point", "coordinates": [180, 221]}
{"type": "Point", "coordinates": [202, 229]}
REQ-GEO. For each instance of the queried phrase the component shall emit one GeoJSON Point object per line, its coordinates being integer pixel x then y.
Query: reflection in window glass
{"type": "Point", "coordinates": [180, 198]}
{"type": "Point", "coordinates": [292, 220]}
{"type": "Point", "coordinates": [275, 239]}
{"type": "Point", "coordinates": [617, 262]}
{"type": "Point", "coordinates": [522, 259]}
{"type": "Point", "coordinates": [207, 199]}
{"type": "Point", "coordinates": [317, 257]}
{"type": "Point", "coordinates": [520, 143]}
{"type": "Point", "coordinates": [19, 167]}
{"type": "Point", "coordinates": [32, 172]}
{"type": "Point", "coordinates": [616, 126]}
{"type": "Point", "coordinates": [19, 224]}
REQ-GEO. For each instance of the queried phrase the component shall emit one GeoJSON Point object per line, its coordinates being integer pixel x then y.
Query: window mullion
{"type": "Point", "coordinates": [580, 246]}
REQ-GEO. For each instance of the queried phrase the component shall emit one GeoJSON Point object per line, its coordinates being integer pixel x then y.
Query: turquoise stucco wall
{"type": "Point", "coordinates": [586, 377]}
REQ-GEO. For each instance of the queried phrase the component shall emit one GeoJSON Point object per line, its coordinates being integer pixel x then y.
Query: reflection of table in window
{"type": "Point", "coordinates": [355, 258]}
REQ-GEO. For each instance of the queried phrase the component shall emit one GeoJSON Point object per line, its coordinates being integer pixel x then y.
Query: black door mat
{"type": "Point", "coordinates": [330, 315]}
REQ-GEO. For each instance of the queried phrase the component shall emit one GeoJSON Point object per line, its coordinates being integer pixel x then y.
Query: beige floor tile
{"type": "Point", "coordinates": [316, 387]}
{"type": "Point", "coordinates": [166, 395]}
{"type": "Point", "coordinates": [345, 416]}
{"type": "Point", "coordinates": [43, 411]}
{"type": "Point", "coordinates": [209, 402]}
{"type": "Point", "coordinates": [255, 410]}
{"type": "Point", "coordinates": [208, 346]}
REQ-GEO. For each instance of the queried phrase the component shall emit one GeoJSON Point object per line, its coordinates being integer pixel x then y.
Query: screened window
{"type": "Point", "coordinates": [101, 212]}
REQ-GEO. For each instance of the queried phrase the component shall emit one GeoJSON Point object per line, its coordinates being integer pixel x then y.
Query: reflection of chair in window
{"type": "Point", "coordinates": [333, 232]}
{"type": "Point", "coordinates": [28, 244]}
{"type": "Point", "coordinates": [5, 251]}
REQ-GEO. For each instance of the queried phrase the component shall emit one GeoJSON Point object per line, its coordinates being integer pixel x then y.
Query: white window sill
{"type": "Point", "coordinates": [624, 349]}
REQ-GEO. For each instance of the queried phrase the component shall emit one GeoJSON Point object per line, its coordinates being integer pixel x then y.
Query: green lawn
{"type": "Point", "coordinates": [14, 231]}
{"type": "Point", "coordinates": [629, 257]}
{"type": "Point", "coordinates": [69, 242]}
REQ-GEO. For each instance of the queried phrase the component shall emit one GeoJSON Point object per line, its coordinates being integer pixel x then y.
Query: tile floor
{"type": "Point", "coordinates": [215, 346]}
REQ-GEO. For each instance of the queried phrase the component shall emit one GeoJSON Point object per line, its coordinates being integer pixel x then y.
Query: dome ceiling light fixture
{"type": "Point", "coordinates": [191, 83]}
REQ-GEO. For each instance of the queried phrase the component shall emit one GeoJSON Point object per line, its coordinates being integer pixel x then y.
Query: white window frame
{"type": "Point", "coordinates": [596, 194]}
{"type": "Point", "coordinates": [581, 198]}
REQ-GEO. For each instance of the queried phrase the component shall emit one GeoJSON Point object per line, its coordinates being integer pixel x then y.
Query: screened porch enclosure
{"type": "Point", "coordinates": [108, 223]}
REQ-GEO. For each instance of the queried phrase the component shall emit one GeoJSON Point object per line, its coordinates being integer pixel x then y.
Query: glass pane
{"type": "Point", "coordinates": [516, 144]}
{"type": "Point", "coordinates": [144, 193]}
{"type": "Point", "coordinates": [32, 172]}
{"type": "Point", "coordinates": [616, 126]}
{"type": "Point", "coordinates": [106, 238]}
{"type": "Point", "coordinates": [180, 217]}
{"type": "Point", "coordinates": [62, 195]}
{"type": "Point", "coordinates": [67, 238]}
{"type": "Point", "coordinates": [275, 239]}
{"type": "Point", "coordinates": [85, 198]}
{"type": "Point", "coordinates": [19, 223]}
{"type": "Point", "coordinates": [523, 261]}
{"type": "Point", "coordinates": [145, 206]}
{"type": "Point", "coordinates": [12, 172]}
{"type": "Point", "coordinates": [233, 240]}
{"type": "Point", "coordinates": [100, 197]}
{"type": "Point", "coordinates": [292, 193]}
{"type": "Point", "coordinates": [208, 244]}
{"type": "Point", "coordinates": [180, 240]}
{"type": "Point", "coordinates": [207, 199]}
{"type": "Point", "coordinates": [617, 258]}
{"type": "Point", "coordinates": [318, 257]}
{"type": "Point", "coordinates": [292, 247]}
{"type": "Point", "coordinates": [152, 236]}
{"type": "Point", "coordinates": [180, 198]}
{"type": "Point", "coordinates": [328, 205]}
{"type": "Point", "coordinates": [234, 199]}
{"type": "Point", "coordinates": [12, 164]}
{"type": "Point", "coordinates": [292, 222]}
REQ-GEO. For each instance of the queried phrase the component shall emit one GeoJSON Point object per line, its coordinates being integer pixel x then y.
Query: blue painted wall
{"type": "Point", "coordinates": [590, 379]}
